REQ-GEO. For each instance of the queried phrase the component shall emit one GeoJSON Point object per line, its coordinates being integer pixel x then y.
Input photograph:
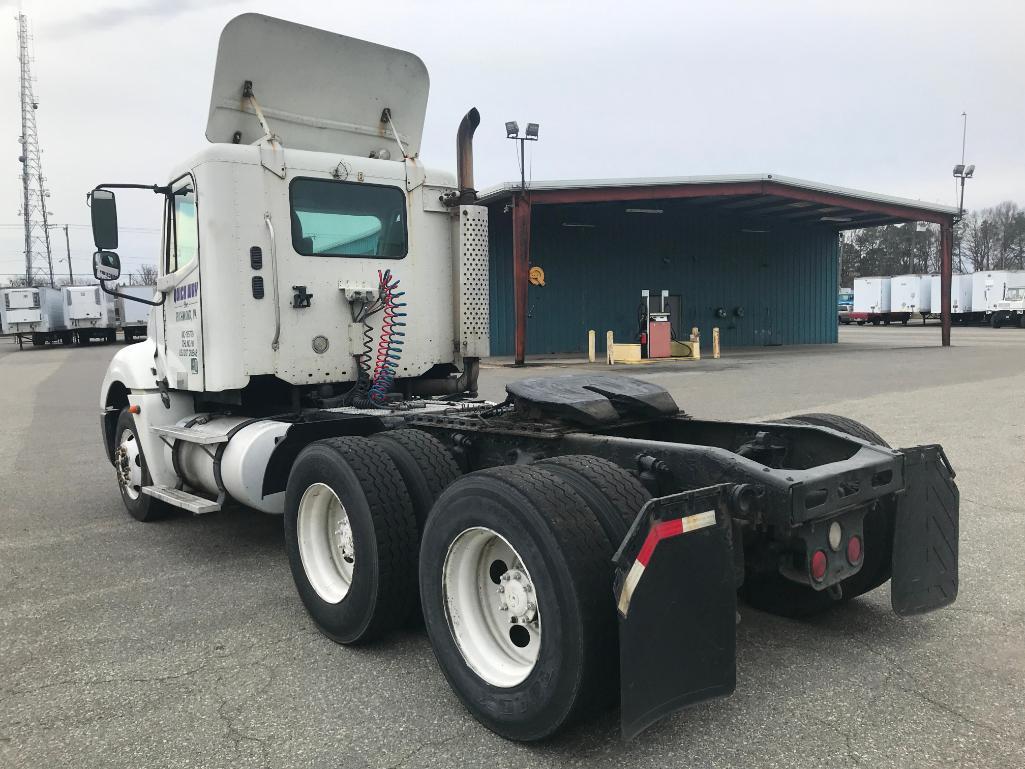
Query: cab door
{"type": "Point", "coordinates": [183, 309]}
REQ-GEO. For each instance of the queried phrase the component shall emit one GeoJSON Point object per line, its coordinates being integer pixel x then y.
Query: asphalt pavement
{"type": "Point", "coordinates": [182, 643]}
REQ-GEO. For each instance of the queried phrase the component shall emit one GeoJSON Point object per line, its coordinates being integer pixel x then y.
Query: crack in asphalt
{"type": "Point", "coordinates": [105, 681]}
{"type": "Point", "coordinates": [422, 747]}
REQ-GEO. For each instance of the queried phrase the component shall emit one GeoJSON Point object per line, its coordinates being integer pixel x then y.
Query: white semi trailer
{"type": "Point", "coordinates": [313, 353]}
{"type": "Point", "coordinates": [873, 300]}
{"type": "Point", "coordinates": [89, 313]}
{"type": "Point", "coordinates": [960, 296]}
{"type": "Point", "coordinates": [34, 313]}
{"type": "Point", "coordinates": [910, 294]}
{"type": "Point", "coordinates": [133, 316]}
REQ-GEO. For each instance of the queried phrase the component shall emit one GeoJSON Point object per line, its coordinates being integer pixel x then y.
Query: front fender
{"type": "Point", "coordinates": [131, 369]}
{"type": "Point", "coordinates": [132, 366]}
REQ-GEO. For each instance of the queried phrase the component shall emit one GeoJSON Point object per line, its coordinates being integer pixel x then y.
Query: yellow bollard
{"type": "Point", "coordinates": [715, 342]}
{"type": "Point", "coordinates": [609, 344]}
{"type": "Point", "coordinates": [590, 346]}
{"type": "Point", "coordinates": [694, 336]}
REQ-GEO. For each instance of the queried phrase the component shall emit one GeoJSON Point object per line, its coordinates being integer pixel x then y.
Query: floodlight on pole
{"type": "Point", "coordinates": [963, 172]}
{"type": "Point", "coordinates": [512, 131]}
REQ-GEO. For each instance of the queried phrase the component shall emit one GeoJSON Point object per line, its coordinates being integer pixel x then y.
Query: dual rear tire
{"type": "Point", "coordinates": [513, 565]}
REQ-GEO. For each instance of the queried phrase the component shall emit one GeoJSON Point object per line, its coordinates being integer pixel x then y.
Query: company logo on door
{"type": "Point", "coordinates": [188, 291]}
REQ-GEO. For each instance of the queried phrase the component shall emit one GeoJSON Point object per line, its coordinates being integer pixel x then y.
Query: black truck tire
{"type": "Point", "coordinates": [381, 538]}
{"type": "Point", "coordinates": [840, 424]}
{"type": "Point", "coordinates": [141, 507]}
{"type": "Point", "coordinates": [613, 495]}
{"type": "Point", "coordinates": [777, 595]}
{"type": "Point", "coordinates": [565, 560]}
{"type": "Point", "coordinates": [425, 465]}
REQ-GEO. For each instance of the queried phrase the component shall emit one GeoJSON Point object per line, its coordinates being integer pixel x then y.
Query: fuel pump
{"type": "Point", "coordinates": [655, 327]}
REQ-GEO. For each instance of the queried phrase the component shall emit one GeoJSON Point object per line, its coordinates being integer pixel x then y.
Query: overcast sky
{"type": "Point", "coordinates": [866, 94]}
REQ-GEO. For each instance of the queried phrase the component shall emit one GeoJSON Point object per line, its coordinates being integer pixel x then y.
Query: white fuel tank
{"type": "Point", "coordinates": [243, 462]}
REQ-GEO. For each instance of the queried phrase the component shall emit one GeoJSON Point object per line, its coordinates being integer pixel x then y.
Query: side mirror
{"type": "Point", "coordinates": [104, 219]}
{"type": "Point", "coordinates": [106, 265]}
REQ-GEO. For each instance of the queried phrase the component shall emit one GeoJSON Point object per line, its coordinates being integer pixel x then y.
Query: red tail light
{"type": "Point", "coordinates": [854, 553]}
{"type": "Point", "coordinates": [819, 562]}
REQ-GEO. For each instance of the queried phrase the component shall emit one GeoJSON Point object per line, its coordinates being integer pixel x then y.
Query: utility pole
{"type": "Point", "coordinates": [67, 245]}
{"type": "Point", "coordinates": [33, 183]}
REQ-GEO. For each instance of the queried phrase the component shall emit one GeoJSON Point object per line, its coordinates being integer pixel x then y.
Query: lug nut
{"type": "Point", "coordinates": [517, 576]}
{"type": "Point", "coordinates": [505, 577]}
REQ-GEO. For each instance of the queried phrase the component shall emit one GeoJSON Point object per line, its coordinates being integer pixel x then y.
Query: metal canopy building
{"type": "Point", "coordinates": [755, 255]}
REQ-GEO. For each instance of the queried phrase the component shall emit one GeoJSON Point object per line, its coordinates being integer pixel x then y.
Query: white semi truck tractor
{"type": "Point", "coordinates": [313, 352]}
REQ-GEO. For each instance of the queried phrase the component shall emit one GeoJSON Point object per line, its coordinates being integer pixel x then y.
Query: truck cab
{"type": "Point", "coordinates": [1011, 309]}
{"type": "Point", "coordinates": [845, 305]}
{"type": "Point", "coordinates": [280, 235]}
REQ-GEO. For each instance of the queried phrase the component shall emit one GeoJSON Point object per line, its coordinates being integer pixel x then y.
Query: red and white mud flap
{"type": "Point", "coordinates": [677, 601]}
{"type": "Point", "coordinates": [925, 534]}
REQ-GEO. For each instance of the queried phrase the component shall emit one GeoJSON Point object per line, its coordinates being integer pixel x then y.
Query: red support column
{"type": "Point", "coordinates": [521, 271]}
{"type": "Point", "coordinates": [946, 279]}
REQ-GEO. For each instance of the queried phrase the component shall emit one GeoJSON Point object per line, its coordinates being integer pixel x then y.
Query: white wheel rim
{"type": "Point", "coordinates": [491, 607]}
{"type": "Point", "coordinates": [128, 463]}
{"type": "Point", "coordinates": [326, 545]}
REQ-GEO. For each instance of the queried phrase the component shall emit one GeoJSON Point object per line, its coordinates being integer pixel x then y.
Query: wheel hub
{"type": "Point", "coordinates": [344, 542]}
{"type": "Point", "coordinates": [327, 547]}
{"type": "Point", "coordinates": [492, 607]}
{"type": "Point", "coordinates": [516, 595]}
{"type": "Point", "coordinates": [128, 465]}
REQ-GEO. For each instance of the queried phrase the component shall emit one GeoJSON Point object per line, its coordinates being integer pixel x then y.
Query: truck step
{"type": "Point", "coordinates": [198, 434]}
{"type": "Point", "coordinates": [183, 499]}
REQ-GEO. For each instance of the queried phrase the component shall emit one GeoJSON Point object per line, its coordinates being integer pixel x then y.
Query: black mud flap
{"type": "Point", "coordinates": [925, 534]}
{"type": "Point", "coordinates": [677, 602]}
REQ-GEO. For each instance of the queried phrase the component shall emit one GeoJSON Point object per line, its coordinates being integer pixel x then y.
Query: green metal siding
{"type": "Point", "coordinates": [784, 279]}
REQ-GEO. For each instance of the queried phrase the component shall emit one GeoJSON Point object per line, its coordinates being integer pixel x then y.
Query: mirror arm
{"type": "Point", "coordinates": [103, 285]}
{"type": "Point", "coordinates": [158, 189]}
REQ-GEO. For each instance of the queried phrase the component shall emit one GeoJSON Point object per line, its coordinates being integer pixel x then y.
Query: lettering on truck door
{"type": "Point", "coordinates": [183, 320]}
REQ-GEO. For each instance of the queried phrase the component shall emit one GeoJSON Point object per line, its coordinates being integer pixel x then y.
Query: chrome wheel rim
{"type": "Point", "coordinates": [491, 606]}
{"type": "Point", "coordinates": [128, 463]}
{"type": "Point", "coordinates": [327, 548]}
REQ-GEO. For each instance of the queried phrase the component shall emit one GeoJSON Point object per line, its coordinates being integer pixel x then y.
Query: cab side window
{"type": "Point", "coordinates": [184, 226]}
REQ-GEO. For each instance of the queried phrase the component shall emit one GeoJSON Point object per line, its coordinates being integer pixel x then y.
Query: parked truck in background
{"type": "Point", "coordinates": [34, 313]}
{"type": "Point", "coordinates": [845, 305]}
{"type": "Point", "coordinates": [988, 289]}
{"type": "Point", "coordinates": [1010, 311]}
{"type": "Point", "coordinates": [314, 351]}
{"type": "Point", "coordinates": [89, 313]}
{"type": "Point", "coordinates": [133, 316]}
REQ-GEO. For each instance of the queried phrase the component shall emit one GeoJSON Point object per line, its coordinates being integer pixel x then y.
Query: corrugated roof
{"type": "Point", "coordinates": [506, 189]}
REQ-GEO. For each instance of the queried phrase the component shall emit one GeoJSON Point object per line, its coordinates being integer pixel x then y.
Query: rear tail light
{"type": "Point", "coordinates": [854, 552]}
{"type": "Point", "coordinates": [819, 562]}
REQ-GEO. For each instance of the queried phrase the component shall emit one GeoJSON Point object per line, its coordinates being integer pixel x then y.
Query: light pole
{"type": "Point", "coordinates": [521, 240]}
{"type": "Point", "coordinates": [512, 131]}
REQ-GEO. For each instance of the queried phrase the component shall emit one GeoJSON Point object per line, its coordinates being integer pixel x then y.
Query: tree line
{"type": "Point", "coordinates": [988, 239]}
{"type": "Point", "coordinates": [145, 275]}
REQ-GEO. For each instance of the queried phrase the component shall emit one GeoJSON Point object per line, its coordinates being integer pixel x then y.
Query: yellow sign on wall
{"type": "Point", "coordinates": [537, 276]}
